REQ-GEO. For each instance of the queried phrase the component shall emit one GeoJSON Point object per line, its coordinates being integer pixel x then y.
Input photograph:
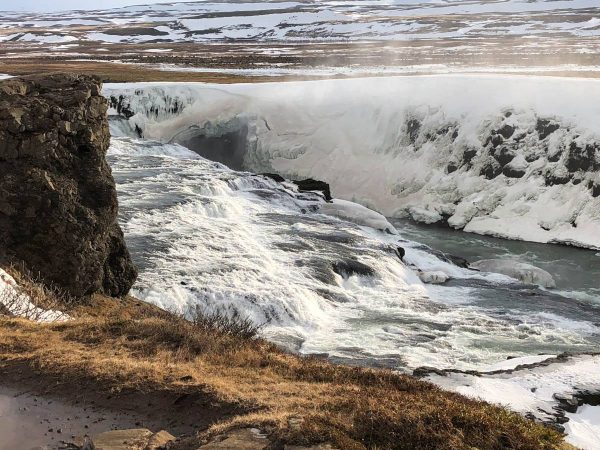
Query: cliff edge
{"type": "Point", "coordinates": [58, 201]}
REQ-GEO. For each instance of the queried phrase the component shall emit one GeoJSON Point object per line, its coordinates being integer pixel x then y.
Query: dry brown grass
{"type": "Point", "coordinates": [131, 345]}
{"type": "Point", "coordinates": [135, 72]}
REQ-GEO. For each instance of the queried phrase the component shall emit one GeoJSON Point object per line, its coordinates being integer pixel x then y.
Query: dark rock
{"type": "Point", "coordinates": [496, 140]}
{"type": "Point", "coordinates": [567, 403]}
{"type": "Point", "coordinates": [227, 148]}
{"type": "Point", "coordinates": [273, 176]}
{"type": "Point", "coordinates": [349, 267]}
{"type": "Point", "coordinates": [513, 172]}
{"type": "Point", "coordinates": [504, 155]}
{"type": "Point", "coordinates": [314, 185]}
{"type": "Point", "coordinates": [58, 202]}
{"type": "Point", "coordinates": [122, 108]}
{"type": "Point", "coordinates": [413, 126]}
{"type": "Point", "coordinates": [554, 157]}
{"type": "Point", "coordinates": [443, 131]}
{"type": "Point", "coordinates": [320, 270]}
{"type": "Point", "coordinates": [545, 128]}
{"type": "Point", "coordinates": [506, 131]}
{"type": "Point", "coordinates": [425, 371]}
{"type": "Point", "coordinates": [491, 169]}
{"type": "Point", "coordinates": [552, 179]}
{"type": "Point", "coordinates": [595, 188]}
{"type": "Point", "coordinates": [4, 311]}
{"type": "Point", "coordinates": [532, 157]}
{"type": "Point", "coordinates": [401, 253]}
{"type": "Point", "coordinates": [451, 167]}
{"type": "Point", "coordinates": [588, 398]}
{"type": "Point", "coordinates": [452, 259]}
{"type": "Point", "coordinates": [468, 155]}
{"type": "Point", "coordinates": [581, 158]}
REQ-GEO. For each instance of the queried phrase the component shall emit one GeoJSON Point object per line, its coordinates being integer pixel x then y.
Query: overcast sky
{"type": "Point", "coordinates": [62, 5]}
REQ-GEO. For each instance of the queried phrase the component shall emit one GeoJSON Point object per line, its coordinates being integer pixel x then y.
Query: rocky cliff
{"type": "Point", "coordinates": [58, 202]}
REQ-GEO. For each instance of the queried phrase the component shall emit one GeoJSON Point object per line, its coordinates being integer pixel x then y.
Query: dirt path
{"type": "Point", "coordinates": [28, 420]}
{"type": "Point", "coordinates": [37, 411]}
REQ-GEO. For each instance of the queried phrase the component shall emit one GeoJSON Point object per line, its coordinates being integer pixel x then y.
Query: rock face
{"type": "Point", "coordinates": [58, 202]}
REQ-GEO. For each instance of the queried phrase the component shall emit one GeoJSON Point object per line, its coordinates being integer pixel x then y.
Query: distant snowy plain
{"type": "Point", "coordinates": [313, 20]}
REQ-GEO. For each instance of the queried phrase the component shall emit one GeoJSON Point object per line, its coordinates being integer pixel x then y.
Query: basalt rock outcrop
{"type": "Point", "coordinates": [58, 202]}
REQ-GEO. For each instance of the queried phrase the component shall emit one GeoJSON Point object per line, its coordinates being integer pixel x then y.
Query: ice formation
{"type": "Point", "coordinates": [525, 273]}
{"type": "Point", "coordinates": [509, 156]}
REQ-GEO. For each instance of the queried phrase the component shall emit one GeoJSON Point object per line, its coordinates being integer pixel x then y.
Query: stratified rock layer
{"type": "Point", "coordinates": [58, 202]}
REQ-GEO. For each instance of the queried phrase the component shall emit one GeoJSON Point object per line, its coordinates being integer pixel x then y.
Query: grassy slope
{"type": "Point", "coordinates": [128, 345]}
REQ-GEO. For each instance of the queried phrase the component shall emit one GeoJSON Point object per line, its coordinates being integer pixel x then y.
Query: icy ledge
{"type": "Point", "coordinates": [511, 156]}
{"type": "Point", "coordinates": [563, 391]}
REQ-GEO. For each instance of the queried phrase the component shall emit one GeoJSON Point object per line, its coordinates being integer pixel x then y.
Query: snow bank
{"type": "Point", "coordinates": [358, 214]}
{"type": "Point", "coordinates": [583, 427]}
{"type": "Point", "coordinates": [537, 391]}
{"type": "Point", "coordinates": [20, 305]}
{"type": "Point", "coordinates": [525, 273]}
{"type": "Point", "coordinates": [510, 156]}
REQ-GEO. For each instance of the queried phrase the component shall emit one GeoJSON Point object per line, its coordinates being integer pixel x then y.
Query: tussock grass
{"type": "Point", "coordinates": [301, 401]}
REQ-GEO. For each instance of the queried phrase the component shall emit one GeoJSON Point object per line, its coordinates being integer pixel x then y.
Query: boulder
{"type": "Point", "coordinates": [504, 155]}
{"type": "Point", "coordinates": [545, 128]}
{"type": "Point", "coordinates": [274, 176]}
{"type": "Point", "coordinates": [434, 277]}
{"type": "Point", "coordinates": [451, 167]}
{"type": "Point", "coordinates": [58, 201]}
{"type": "Point", "coordinates": [134, 439]}
{"type": "Point", "coordinates": [506, 131]}
{"type": "Point", "coordinates": [159, 440]}
{"type": "Point", "coordinates": [413, 126]}
{"type": "Point", "coordinates": [350, 267]}
{"type": "Point", "coordinates": [314, 185]}
{"type": "Point", "coordinates": [491, 169]}
{"type": "Point", "coordinates": [468, 155]}
{"type": "Point", "coordinates": [581, 157]}
{"type": "Point", "coordinates": [245, 439]}
{"type": "Point", "coordinates": [513, 172]}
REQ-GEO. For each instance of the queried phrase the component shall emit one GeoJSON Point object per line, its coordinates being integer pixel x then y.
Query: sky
{"type": "Point", "coordinates": [63, 5]}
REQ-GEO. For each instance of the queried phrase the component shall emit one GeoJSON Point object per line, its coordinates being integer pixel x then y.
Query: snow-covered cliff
{"type": "Point", "coordinates": [511, 156]}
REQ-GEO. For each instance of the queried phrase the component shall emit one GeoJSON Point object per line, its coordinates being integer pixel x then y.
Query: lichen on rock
{"type": "Point", "coordinates": [58, 201]}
